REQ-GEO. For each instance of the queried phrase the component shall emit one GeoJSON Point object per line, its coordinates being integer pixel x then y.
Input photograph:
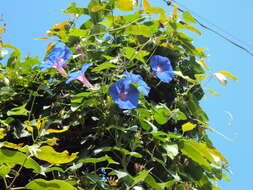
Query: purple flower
{"type": "Point", "coordinates": [80, 75]}
{"type": "Point", "coordinates": [124, 94]}
{"type": "Point", "coordinates": [162, 68]}
{"type": "Point", "coordinates": [57, 59]}
{"type": "Point", "coordinates": [142, 86]}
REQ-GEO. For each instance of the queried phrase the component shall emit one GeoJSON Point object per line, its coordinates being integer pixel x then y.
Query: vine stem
{"type": "Point", "coordinates": [5, 182]}
{"type": "Point", "coordinates": [18, 172]}
{"type": "Point", "coordinates": [22, 166]}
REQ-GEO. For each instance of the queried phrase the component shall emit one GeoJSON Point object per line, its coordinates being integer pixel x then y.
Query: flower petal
{"type": "Point", "coordinates": [162, 68]}
{"type": "Point", "coordinates": [85, 67]}
{"type": "Point", "coordinates": [165, 76]}
{"type": "Point", "coordinates": [45, 66]}
{"type": "Point", "coordinates": [59, 53]}
{"type": "Point", "coordinates": [132, 94]}
{"type": "Point", "coordinates": [73, 76]}
{"type": "Point", "coordinates": [143, 87]}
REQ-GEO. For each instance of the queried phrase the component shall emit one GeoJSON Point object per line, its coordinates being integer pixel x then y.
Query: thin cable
{"type": "Point", "coordinates": [212, 30]}
{"type": "Point", "coordinates": [214, 25]}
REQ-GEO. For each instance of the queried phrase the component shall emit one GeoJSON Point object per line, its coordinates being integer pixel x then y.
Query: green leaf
{"type": "Point", "coordinates": [72, 9]}
{"type": "Point", "coordinates": [124, 5]}
{"type": "Point", "coordinates": [192, 152]}
{"type": "Point", "coordinates": [162, 115]}
{"type": "Point", "coordinates": [41, 184]}
{"type": "Point", "coordinates": [205, 151]}
{"type": "Point", "coordinates": [97, 160]}
{"type": "Point", "coordinates": [140, 30]}
{"type": "Point", "coordinates": [131, 53]}
{"type": "Point", "coordinates": [78, 98]}
{"type": "Point", "coordinates": [188, 18]}
{"type": "Point", "coordinates": [47, 153]}
{"type": "Point", "coordinates": [14, 157]}
{"type": "Point", "coordinates": [14, 58]}
{"type": "Point", "coordinates": [54, 169]}
{"type": "Point", "coordinates": [120, 149]}
{"type": "Point", "coordinates": [78, 32]}
{"type": "Point", "coordinates": [5, 169]}
{"type": "Point", "coordinates": [119, 174]}
{"type": "Point", "coordinates": [155, 10]}
{"type": "Point", "coordinates": [18, 111]}
{"type": "Point", "coordinates": [195, 108]}
{"type": "Point", "coordinates": [152, 182]}
{"type": "Point", "coordinates": [179, 115]}
{"type": "Point", "coordinates": [200, 77]}
{"type": "Point", "coordinates": [140, 177]}
{"type": "Point", "coordinates": [104, 66]}
{"type": "Point", "coordinates": [180, 74]}
{"type": "Point", "coordinates": [188, 126]}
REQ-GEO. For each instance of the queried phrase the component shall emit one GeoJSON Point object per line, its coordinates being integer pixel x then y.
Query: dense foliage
{"type": "Point", "coordinates": [113, 105]}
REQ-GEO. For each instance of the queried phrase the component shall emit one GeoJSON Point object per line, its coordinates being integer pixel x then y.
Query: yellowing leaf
{"type": "Point", "coordinates": [40, 124]}
{"type": "Point", "coordinates": [28, 126]}
{"type": "Point", "coordinates": [146, 4]}
{"type": "Point", "coordinates": [202, 63]}
{"type": "Point", "coordinates": [47, 153]}
{"type": "Point", "coordinates": [57, 130]}
{"type": "Point", "coordinates": [49, 47]}
{"type": "Point", "coordinates": [175, 15]}
{"type": "Point", "coordinates": [52, 141]}
{"type": "Point", "coordinates": [188, 126]}
{"type": "Point", "coordinates": [213, 92]}
{"type": "Point", "coordinates": [218, 156]}
{"type": "Point", "coordinates": [124, 5]}
{"type": "Point", "coordinates": [2, 133]}
{"type": "Point", "coordinates": [61, 25]}
{"type": "Point", "coordinates": [97, 8]}
{"type": "Point", "coordinates": [2, 30]}
{"type": "Point", "coordinates": [188, 18]}
{"type": "Point", "coordinates": [168, 45]}
{"type": "Point", "coordinates": [193, 29]}
{"type": "Point", "coordinates": [10, 145]}
{"type": "Point", "coordinates": [228, 75]}
{"type": "Point", "coordinates": [42, 38]}
{"type": "Point", "coordinates": [8, 46]}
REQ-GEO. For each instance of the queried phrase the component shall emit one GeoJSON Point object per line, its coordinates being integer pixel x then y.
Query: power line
{"type": "Point", "coordinates": [169, 2]}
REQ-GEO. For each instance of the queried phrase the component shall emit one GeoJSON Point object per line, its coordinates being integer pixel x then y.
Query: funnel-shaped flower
{"type": "Point", "coordinates": [142, 86]}
{"type": "Point", "coordinates": [162, 68]}
{"type": "Point", "coordinates": [124, 94]}
{"type": "Point", "coordinates": [80, 75]}
{"type": "Point", "coordinates": [57, 59]}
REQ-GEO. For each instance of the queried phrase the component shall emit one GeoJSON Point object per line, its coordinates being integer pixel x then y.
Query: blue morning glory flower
{"type": "Point", "coordinates": [124, 94]}
{"type": "Point", "coordinates": [162, 68]}
{"type": "Point", "coordinates": [57, 59]}
{"type": "Point", "coordinates": [80, 75]}
{"type": "Point", "coordinates": [143, 87]}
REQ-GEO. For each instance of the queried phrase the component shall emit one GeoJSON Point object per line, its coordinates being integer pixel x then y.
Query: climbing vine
{"type": "Point", "coordinates": [114, 104]}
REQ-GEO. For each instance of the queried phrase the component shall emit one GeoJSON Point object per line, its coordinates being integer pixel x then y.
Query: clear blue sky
{"type": "Point", "coordinates": [29, 19]}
